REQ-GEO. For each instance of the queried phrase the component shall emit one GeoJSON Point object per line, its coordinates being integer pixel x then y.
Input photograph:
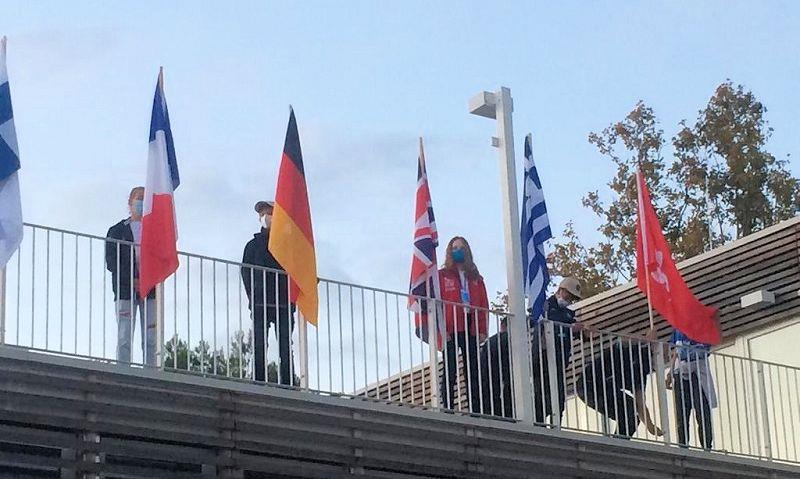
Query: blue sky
{"type": "Point", "coordinates": [366, 79]}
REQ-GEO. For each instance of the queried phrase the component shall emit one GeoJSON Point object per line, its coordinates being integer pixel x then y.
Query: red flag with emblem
{"type": "Point", "coordinates": [659, 279]}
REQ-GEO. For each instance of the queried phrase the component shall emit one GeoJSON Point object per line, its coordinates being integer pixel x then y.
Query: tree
{"type": "Point", "coordinates": [636, 141]}
{"type": "Point", "coordinates": [236, 364]}
{"type": "Point", "coordinates": [203, 360]}
{"type": "Point", "coordinates": [756, 189]}
{"type": "Point", "coordinates": [721, 183]}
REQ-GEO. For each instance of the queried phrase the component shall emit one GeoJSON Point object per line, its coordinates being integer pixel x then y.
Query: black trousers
{"type": "Point", "coordinates": [285, 326]}
{"type": "Point", "coordinates": [468, 345]}
{"type": "Point", "coordinates": [610, 400]}
{"type": "Point", "coordinates": [496, 376]}
{"type": "Point", "coordinates": [542, 400]}
{"type": "Point", "coordinates": [689, 396]}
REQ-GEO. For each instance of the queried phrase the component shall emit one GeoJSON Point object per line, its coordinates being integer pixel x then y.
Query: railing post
{"type": "Point", "coordinates": [552, 376]}
{"type": "Point", "coordinates": [302, 339]}
{"type": "Point", "coordinates": [762, 394]}
{"type": "Point", "coordinates": [433, 349]}
{"type": "Point", "coordinates": [661, 386]}
{"type": "Point", "coordinates": [159, 326]}
{"type": "Point", "coordinates": [3, 305]}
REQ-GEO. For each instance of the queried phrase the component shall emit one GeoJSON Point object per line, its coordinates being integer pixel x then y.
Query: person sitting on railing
{"type": "Point", "coordinates": [124, 268]}
{"type": "Point", "coordinates": [466, 320]}
{"type": "Point", "coordinates": [268, 296]}
{"type": "Point", "coordinates": [565, 327]}
{"type": "Point", "coordinates": [614, 383]}
{"type": "Point", "coordinates": [693, 388]}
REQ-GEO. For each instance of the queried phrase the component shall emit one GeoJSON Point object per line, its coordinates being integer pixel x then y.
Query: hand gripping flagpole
{"type": "Point", "coordinates": [661, 383]}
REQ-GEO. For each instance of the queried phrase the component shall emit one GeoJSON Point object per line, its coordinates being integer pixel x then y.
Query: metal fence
{"type": "Point", "coordinates": [633, 388]}
{"type": "Point", "coordinates": [211, 315]}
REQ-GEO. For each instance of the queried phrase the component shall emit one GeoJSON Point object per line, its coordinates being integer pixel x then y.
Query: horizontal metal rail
{"type": "Point", "coordinates": [71, 294]}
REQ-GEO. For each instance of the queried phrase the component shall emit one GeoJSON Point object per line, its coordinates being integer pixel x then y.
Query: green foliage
{"type": "Point", "coordinates": [237, 363]}
{"type": "Point", "coordinates": [721, 183]}
{"type": "Point", "coordinates": [202, 359]}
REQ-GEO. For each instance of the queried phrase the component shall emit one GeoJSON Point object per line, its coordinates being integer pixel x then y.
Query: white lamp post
{"type": "Point", "coordinates": [499, 106]}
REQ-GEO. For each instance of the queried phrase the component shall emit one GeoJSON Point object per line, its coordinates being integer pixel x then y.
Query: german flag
{"type": "Point", "coordinates": [291, 240]}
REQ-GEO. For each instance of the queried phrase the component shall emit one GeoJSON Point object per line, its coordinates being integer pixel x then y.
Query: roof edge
{"type": "Point", "coordinates": [785, 224]}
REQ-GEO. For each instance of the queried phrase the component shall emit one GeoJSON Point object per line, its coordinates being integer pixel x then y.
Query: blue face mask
{"type": "Point", "coordinates": [138, 207]}
{"type": "Point", "coordinates": [458, 255]}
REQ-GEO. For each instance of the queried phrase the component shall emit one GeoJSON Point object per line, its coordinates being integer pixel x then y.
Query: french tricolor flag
{"type": "Point", "coordinates": [159, 254]}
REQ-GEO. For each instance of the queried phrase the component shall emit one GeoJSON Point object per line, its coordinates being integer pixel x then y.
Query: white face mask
{"type": "Point", "coordinates": [265, 221]}
{"type": "Point", "coordinates": [562, 302]}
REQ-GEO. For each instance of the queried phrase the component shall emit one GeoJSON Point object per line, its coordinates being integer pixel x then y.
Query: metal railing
{"type": "Point", "coordinates": [618, 385]}
{"type": "Point", "coordinates": [210, 316]}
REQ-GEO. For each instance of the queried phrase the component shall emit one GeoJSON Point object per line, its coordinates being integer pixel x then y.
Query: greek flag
{"type": "Point", "coordinates": [10, 206]}
{"type": "Point", "coordinates": [535, 231]}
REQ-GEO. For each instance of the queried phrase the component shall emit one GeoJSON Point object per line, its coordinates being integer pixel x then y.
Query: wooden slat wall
{"type": "Point", "coordinates": [767, 260]}
{"type": "Point", "coordinates": [69, 418]}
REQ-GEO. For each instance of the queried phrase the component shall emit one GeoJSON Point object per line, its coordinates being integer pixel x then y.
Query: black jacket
{"type": "Point", "coordinates": [122, 231]}
{"type": "Point", "coordinates": [256, 253]}
{"type": "Point", "coordinates": [561, 316]}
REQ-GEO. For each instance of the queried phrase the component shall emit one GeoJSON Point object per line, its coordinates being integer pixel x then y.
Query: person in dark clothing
{"type": "Point", "coordinates": [496, 380]}
{"type": "Point", "coordinates": [122, 260]}
{"type": "Point", "coordinates": [495, 360]}
{"type": "Point", "coordinates": [267, 291]}
{"type": "Point", "coordinates": [565, 327]}
{"type": "Point", "coordinates": [614, 384]}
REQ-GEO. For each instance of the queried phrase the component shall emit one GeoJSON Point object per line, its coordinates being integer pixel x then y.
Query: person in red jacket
{"type": "Point", "coordinates": [466, 320]}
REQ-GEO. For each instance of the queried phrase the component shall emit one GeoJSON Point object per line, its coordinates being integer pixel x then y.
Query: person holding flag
{"type": "Point", "coordinates": [696, 325]}
{"type": "Point", "coordinates": [267, 292]}
{"type": "Point", "coordinates": [10, 203]}
{"type": "Point", "coordinates": [123, 261]}
{"type": "Point", "coordinates": [150, 228]}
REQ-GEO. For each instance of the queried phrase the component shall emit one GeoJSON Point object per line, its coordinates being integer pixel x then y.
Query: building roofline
{"type": "Point", "coordinates": [785, 224]}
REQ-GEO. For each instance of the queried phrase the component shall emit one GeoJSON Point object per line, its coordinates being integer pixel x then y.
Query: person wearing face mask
{"type": "Point", "coordinates": [466, 320]}
{"type": "Point", "coordinates": [557, 311]}
{"type": "Point", "coordinates": [123, 263]}
{"type": "Point", "coordinates": [268, 296]}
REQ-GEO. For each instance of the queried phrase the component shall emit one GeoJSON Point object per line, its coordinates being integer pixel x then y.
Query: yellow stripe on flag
{"type": "Point", "coordinates": [295, 253]}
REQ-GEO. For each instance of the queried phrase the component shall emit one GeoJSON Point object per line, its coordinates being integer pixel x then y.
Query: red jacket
{"type": "Point", "coordinates": [457, 317]}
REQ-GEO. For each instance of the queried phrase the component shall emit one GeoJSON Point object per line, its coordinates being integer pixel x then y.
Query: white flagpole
{"type": "Point", "coordinates": [661, 384]}
{"type": "Point", "coordinates": [642, 229]}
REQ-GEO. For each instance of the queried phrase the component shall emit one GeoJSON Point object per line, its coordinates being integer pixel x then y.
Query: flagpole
{"type": "Point", "coordinates": [302, 338]}
{"type": "Point", "coordinates": [644, 243]}
{"type": "Point", "coordinates": [432, 283]}
{"type": "Point", "coordinates": [661, 384]}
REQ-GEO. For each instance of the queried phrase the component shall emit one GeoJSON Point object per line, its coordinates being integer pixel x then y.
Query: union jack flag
{"type": "Point", "coordinates": [424, 272]}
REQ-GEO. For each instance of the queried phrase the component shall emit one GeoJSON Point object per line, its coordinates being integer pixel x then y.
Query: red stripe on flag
{"type": "Point", "coordinates": [292, 195]}
{"type": "Point", "coordinates": [159, 253]}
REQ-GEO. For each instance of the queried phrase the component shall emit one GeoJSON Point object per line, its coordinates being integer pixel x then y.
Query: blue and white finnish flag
{"type": "Point", "coordinates": [535, 230]}
{"type": "Point", "coordinates": [10, 205]}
